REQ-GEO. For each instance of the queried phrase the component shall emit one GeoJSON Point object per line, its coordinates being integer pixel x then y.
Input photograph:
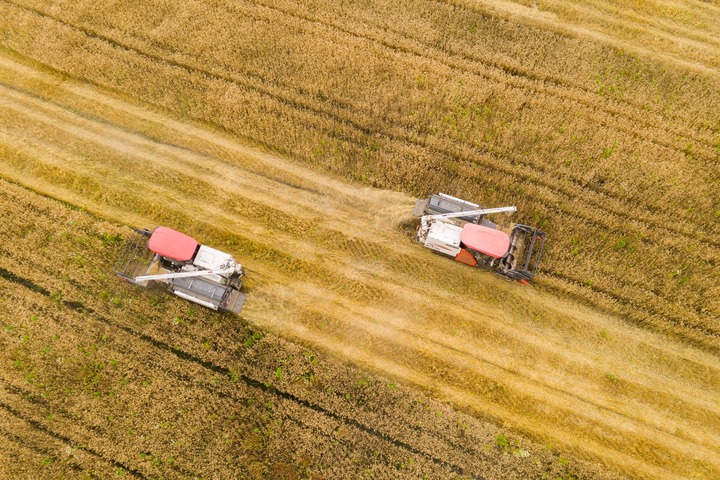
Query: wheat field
{"type": "Point", "coordinates": [599, 121]}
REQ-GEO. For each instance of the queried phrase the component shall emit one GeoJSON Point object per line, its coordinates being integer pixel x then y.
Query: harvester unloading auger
{"type": "Point", "coordinates": [459, 229]}
{"type": "Point", "coordinates": [191, 271]}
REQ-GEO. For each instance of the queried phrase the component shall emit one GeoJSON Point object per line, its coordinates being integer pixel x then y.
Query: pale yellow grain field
{"type": "Point", "coordinates": [298, 134]}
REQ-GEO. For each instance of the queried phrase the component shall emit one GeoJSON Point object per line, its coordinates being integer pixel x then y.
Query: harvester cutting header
{"type": "Point", "coordinates": [191, 271]}
{"type": "Point", "coordinates": [459, 229]}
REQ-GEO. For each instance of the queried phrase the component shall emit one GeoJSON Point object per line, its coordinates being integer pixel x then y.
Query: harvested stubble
{"type": "Point", "coordinates": [103, 380]}
{"type": "Point", "coordinates": [614, 153]}
{"type": "Point", "coordinates": [347, 280]}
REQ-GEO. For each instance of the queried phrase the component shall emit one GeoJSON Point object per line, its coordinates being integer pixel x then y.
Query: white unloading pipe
{"type": "Point", "coordinates": [196, 273]}
{"type": "Point", "coordinates": [470, 213]}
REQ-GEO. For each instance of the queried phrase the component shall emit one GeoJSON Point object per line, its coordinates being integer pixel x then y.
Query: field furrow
{"type": "Point", "coordinates": [396, 128]}
{"type": "Point", "coordinates": [195, 170]}
{"type": "Point", "coordinates": [396, 37]}
{"type": "Point", "coordinates": [40, 427]}
{"type": "Point", "coordinates": [332, 266]}
{"type": "Point", "coordinates": [700, 253]}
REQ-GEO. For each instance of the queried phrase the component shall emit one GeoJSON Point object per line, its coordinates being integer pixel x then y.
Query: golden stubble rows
{"type": "Point", "coordinates": [557, 371]}
{"type": "Point", "coordinates": [95, 390]}
{"type": "Point", "coordinates": [600, 147]}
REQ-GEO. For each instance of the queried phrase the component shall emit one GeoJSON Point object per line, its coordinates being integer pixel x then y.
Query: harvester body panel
{"type": "Point", "coordinates": [209, 293]}
{"type": "Point", "coordinates": [211, 258]}
{"type": "Point", "coordinates": [190, 270]}
{"type": "Point", "coordinates": [444, 238]}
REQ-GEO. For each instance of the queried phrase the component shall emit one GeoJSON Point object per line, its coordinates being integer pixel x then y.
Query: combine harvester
{"type": "Point", "coordinates": [191, 271]}
{"type": "Point", "coordinates": [459, 229]}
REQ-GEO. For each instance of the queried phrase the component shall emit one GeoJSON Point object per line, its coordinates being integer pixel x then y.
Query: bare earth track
{"type": "Point", "coordinates": [153, 386]}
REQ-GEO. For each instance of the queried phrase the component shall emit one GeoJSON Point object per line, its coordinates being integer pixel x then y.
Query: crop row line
{"type": "Point", "coordinates": [558, 392]}
{"type": "Point", "coordinates": [186, 67]}
{"type": "Point", "coordinates": [519, 168]}
{"type": "Point", "coordinates": [496, 69]}
{"type": "Point", "coordinates": [564, 84]}
{"type": "Point", "coordinates": [660, 28]}
{"type": "Point", "coordinates": [26, 443]}
{"type": "Point", "coordinates": [705, 335]}
{"type": "Point", "coordinates": [35, 424]}
{"type": "Point", "coordinates": [456, 358]}
{"type": "Point", "coordinates": [36, 399]}
{"type": "Point", "coordinates": [256, 384]}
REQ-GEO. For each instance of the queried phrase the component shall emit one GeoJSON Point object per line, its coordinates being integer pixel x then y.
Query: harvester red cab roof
{"type": "Point", "coordinates": [489, 241]}
{"type": "Point", "coordinates": [172, 244]}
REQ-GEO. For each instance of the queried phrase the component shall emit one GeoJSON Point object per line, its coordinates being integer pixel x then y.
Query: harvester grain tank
{"type": "Point", "coordinates": [458, 228]}
{"type": "Point", "coordinates": [188, 269]}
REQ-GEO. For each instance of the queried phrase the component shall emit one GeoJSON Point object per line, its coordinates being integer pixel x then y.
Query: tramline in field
{"type": "Point", "coordinates": [191, 271]}
{"type": "Point", "coordinates": [459, 229]}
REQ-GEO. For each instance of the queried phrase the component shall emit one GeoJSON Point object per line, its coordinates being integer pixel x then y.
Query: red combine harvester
{"type": "Point", "coordinates": [191, 271]}
{"type": "Point", "coordinates": [459, 229]}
